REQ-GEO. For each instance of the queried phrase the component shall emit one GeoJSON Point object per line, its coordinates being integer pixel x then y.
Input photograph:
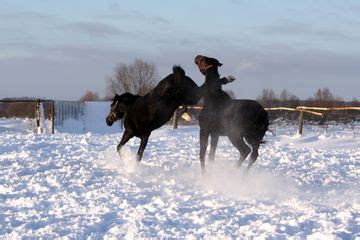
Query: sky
{"type": "Point", "coordinates": [61, 49]}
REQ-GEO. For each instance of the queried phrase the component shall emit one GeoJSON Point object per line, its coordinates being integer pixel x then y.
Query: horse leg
{"type": "Point", "coordinates": [143, 143]}
{"type": "Point", "coordinates": [204, 136]}
{"type": "Point", "coordinates": [213, 144]}
{"type": "Point", "coordinates": [242, 147]}
{"type": "Point", "coordinates": [255, 153]}
{"type": "Point", "coordinates": [124, 139]}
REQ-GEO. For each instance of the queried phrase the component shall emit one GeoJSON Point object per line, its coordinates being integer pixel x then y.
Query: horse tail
{"type": "Point", "coordinates": [262, 121]}
{"type": "Point", "coordinates": [261, 124]}
{"type": "Point", "coordinates": [179, 73]}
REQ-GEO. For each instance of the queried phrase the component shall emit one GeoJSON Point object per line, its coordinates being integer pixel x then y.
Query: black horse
{"type": "Point", "coordinates": [244, 122]}
{"type": "Point", "coordinates": [143, 114]}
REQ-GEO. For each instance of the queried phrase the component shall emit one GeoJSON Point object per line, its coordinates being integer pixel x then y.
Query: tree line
{"type": "Point", "coordinates": [322, 97]}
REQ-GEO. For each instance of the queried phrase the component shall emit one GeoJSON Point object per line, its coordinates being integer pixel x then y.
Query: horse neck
{"type": "Point", "coordinates": [212, 77]}
{"type": "Point", "coordinates": [129, 103]}
{"type": "Point", "coordinates": [212, 80]}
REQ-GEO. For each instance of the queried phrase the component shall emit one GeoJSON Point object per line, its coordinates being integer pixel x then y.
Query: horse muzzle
{"type": "Point", "coordinates": [113, 117]}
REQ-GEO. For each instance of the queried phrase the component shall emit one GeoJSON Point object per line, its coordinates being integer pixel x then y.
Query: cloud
{"type": "Point", "coordinates": [94, 29]}
{"type": "Point", "coordinates": [55, 68]}
{"type": "Point", "coordinates": [287, 27]}
{"type": "Point", "coordinates": [256, 64]}
{"type": "Point", "coordinates": [302, 72]}
{"type": "Point", "coordinates": [116, 12]}
{"type": "Point", "coordinates": [238, 2]}
{"type": "Point", "coordinates": [244, 65]}
{"type": "Point", "coordinates": [59, 72]}
{"type": "Point", "coordinates": [309, 63]}
{"type": "Point", "coordinates": [355, 8]}
{"type": "Point", "coordinates": [28, 16]}
{"type": "Point", "coordinates": [45, 22]}
{"type": "Point", "coordinates": [68, 52]}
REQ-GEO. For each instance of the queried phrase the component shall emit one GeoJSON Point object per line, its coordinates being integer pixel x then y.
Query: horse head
{"type": "Point", "coordinates": [205, 63]}
{"type": "Point", "coordinates": [119, 106]}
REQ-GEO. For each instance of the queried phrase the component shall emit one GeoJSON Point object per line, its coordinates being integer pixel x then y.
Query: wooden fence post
{"type": "Point", "coordinates": [175, 119]}
{"type": "Point", "coordinates": [301, 123]}
{"type": "Point", "coordinates": [38, 117]}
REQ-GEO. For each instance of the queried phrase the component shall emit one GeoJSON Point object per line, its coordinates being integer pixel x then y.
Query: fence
{"type": "Point", "coordinates": [65, 110]}
{"type": "Point", "coordinates": [81, 117]}
{"type": "Point", "coordinates": [65, 116]}
{"type": "Point", "coordinates": [300, 109]}
{"type": "Point", "coordinates": [39, 111]}
{"type": "Point", "coordinates": [77, 116]}
{"type": "Point", "coordinates": [310, 110]}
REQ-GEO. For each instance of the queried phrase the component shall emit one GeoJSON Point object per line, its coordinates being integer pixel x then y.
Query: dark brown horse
{"type": "Point", "coordinates": [143, 114]}
{"type": "Point", "coordinates": [244, 122]}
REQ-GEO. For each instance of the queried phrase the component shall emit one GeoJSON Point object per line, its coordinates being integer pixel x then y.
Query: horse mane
{"type": "Point", "coordinates": [126, 97]}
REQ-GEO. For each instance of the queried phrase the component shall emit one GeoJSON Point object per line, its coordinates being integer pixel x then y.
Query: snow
{"type": "Point", "coordinates": [16, 125]}
{"type": "Point", "coordinates": [74, 185]}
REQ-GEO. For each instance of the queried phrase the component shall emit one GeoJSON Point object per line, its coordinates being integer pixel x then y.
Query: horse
{"type": "Point", "coordinates": [143, 114]}
{"type": "Point", "coordinates": [244, 122]}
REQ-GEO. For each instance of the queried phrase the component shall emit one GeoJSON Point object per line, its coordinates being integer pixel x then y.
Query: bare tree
{"type": "Point", "coordinates": [288, 99]}
{"type": "Point", "coordinates": [322, 95]}
{"type": "Point", "coordinates": [138, 77]}
{"type": "Point", "coordinates": [90, 96]}
{"type": "Point", "coordinates": [285, 95]}
{"type": "Point", "coordinates": [267, 97]}
{"type": "Point", "coordinates": [355, 102]}
{"type": "Point", "coordinates": [324, 98]}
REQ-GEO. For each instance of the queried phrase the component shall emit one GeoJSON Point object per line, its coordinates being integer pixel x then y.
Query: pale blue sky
{"type": "Point", "coordinates": [60, 49]}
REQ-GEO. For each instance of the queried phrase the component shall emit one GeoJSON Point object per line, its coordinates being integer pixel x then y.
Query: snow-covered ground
{"type": "Point", "coordinates": [76, 186]}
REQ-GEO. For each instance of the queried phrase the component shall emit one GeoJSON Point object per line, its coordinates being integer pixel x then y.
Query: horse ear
{"type": "Point", "coordinates": [215, 61]}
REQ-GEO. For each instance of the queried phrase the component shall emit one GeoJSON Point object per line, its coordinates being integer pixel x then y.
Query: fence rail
{"type": "Point", "coordinates": [300, 109]}
{"type": "Point", "coordinates": [310, 110]}
{"type": "Point", "coordinates": [63, 110]}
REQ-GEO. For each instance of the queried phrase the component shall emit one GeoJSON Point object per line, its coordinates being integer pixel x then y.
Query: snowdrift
{"type": "Point", "coordinates": [75, 186]}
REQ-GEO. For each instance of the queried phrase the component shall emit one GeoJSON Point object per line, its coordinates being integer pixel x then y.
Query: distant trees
{"type": "Point", "coordinates": [285, 95]}
{"type": "Point", "coordinates": [323, 94]}
{"type": "Point", "coordinates": [90, 96]}
{"type": "Point", "coordinates": [138, 77]}
{"type": "Point", "coordinates": [270, 99]}
{"type": "Point", "coordinates": [267, 96]}
{"type": "Point", "coordinates": [322, 97]}
{"type": "Point", "coordinates": [17, 109]}
{"type": "Point", "coordinates": [22, 108]}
